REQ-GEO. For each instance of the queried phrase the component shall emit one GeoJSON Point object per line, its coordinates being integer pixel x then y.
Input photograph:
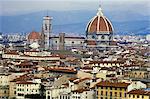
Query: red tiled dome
{"type": "Point", "coordinates": [34, 35]}
{"type": "Point", "coordinates": [99, 24]}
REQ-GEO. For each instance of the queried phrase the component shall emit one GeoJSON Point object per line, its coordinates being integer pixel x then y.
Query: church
{"type": "Point", "coordinates": [98, 35]}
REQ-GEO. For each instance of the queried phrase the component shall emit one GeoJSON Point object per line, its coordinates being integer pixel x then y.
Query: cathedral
{"type": "Point", "coordinates": [99, 35]}
{"type": "Point", "coordinates": [99, 31]}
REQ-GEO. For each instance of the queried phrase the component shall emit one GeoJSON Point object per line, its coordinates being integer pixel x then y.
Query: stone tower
{"type": "Point", "coordinates": [46, 31]}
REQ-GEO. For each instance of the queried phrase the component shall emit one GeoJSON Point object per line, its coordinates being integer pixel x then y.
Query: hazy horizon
{"type": "Point", "coordinates": [127, 15]}
{"type": "Point", "coordinates": [17, 7]}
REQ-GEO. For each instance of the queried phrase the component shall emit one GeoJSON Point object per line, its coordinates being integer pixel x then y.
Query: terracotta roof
{"type": "Point", "coordinates": [95, 62]}
{"type": "Point", "coordinates": [139, 92]}
{"type": "Point", "coordinates": [113, 84]}
{"type": "Point", "coordinates": [62, 70]}
{"type": "Point", "coordinates": [72, 79]}
{"type": "Point", "coordinates": [81, 90]}
{"type": "Point", "coordinates": [25, 82]}
{"type": "Point", "coordinates": [91, 42]}
{"type": "Point", "coordinates": [26, 63]}
{"type": "Point", "coordinates": [22, 78]}
{"type": "Point", "coordinates": [87, 68]}
{"type": "Point", "coordinates": [13, 52]}
{"type": "Point", "coordinates": [80, 80]}
{"type": "Point", "coordinates": [34, 35]}
{"type": "Point", "coordinates": [99, 24]}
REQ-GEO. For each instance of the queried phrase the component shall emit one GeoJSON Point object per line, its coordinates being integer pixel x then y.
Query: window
{"type": "Point", "coordinates": [133, 96]}
{"type": "Point", "coordinates": [106, 93]}
{"type": "Point", "coordinates": [110, 93]}
{"type": "Point", "coordinates": [137, 96]}
{"type": "Point", "coordinates": [5, 91]}
{"type": "Point", "coordinates": [110, 88]}
{"type": "Point", "coordinates": [72, 42]}
{"type": "Point", "coordinates": [129, 95]}
{"type": "Point", "coordinates": [97, 92]}
{"type": "Point", "coordinates": [125, 95]}
{"type": "Point", "coordinates": [55, 41]}
{"type": "Point", "coordinates": [142, 96]}
{"type": "Point", "coordinates": [49, 97]}
{"type": "Point", "coordinates": [120, 94]}
{"type": "Point", "coordinates": [93, 37]}
{"type": "Point", "coordinates": [116, 94]}
{"type": "Point", "coordinates": [101, 92]}
{"type": "Point", "coordinates": [102, 37]}
{"type": "Point", "coordinates": [110, 37]}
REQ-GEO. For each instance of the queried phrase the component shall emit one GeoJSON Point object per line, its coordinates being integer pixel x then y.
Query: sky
{"type": "Point", "coordinates": [15, 7]}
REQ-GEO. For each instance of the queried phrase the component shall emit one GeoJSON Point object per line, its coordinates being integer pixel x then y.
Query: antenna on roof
{"type": "Point", "coordinates": [46, 12]}
{"type": "Point", "coordinates": [100, 13]}
{"type": "Point", "coordinates": [100, 4]}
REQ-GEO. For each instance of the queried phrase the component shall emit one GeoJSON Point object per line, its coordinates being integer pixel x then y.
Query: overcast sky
{"type": "Point", "coordinates": [14, 7]}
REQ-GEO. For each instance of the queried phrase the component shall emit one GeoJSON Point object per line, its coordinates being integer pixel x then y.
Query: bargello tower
{"type": "Point", "coordinates": [99, 31]}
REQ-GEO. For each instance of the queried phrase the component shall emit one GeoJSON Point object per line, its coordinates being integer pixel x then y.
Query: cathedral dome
{"type": "Point", "coordinates": [99, 24]}
{"type": "Point", "coordinates": [34, 36]}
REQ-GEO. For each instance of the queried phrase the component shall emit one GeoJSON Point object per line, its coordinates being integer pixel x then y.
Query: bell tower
{"type": "Point", "coordinates": [46, 31]}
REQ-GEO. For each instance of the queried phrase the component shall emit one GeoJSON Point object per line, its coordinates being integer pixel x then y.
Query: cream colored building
{"type": "Point", "coordinates": [60, 85]}
{"type": "Point", "coordinates": [12, 84]}
{"type": "Point", "coordinates": [26, 87]}
{"type": "Point", "coordinates": [38, 57]}
{"type": "Point", "coordinates": [12, 89]}
{"type": "Point", "coordinates": [4, 86]}
{"type": "Point", "coordinates": [139, 74]}
{"type": "Point", "coordinates": [105, 63]}
{"type": "Point", "coordinates": [82, 94]}
{"type": "Point", "coordinates": [4, 79]}
{"type": "Point", "coordinates": [55, 93]}
{"type": "Point", "coordinates": [136, 85]}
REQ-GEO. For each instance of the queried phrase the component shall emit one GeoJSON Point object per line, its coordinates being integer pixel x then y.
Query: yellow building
{"type": "Point", "coordinates": [139, 94]}
{"type": "Point", "coordinates": [111, 90]}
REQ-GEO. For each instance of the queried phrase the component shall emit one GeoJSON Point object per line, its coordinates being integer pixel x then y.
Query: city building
{"type": "Point", "coordinates": [112, 90]}
{"type": "Point", "coordinates": [68, 43]}
{"type": "Point", "coordinates": [139, 94]}
{"type": "Point", "coordinates": [26, 87]}
{"type": "Point", "coordinates": [4, 86]}
{"type": "Point", "coordinates": [99, 31]}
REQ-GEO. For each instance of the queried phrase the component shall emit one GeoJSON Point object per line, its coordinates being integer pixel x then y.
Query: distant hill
{"type": "Point", "coordinates": [74, 22]}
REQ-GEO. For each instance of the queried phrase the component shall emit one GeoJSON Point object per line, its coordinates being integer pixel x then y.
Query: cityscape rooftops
{"type": "Point", "coordinates": [113, 84]}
